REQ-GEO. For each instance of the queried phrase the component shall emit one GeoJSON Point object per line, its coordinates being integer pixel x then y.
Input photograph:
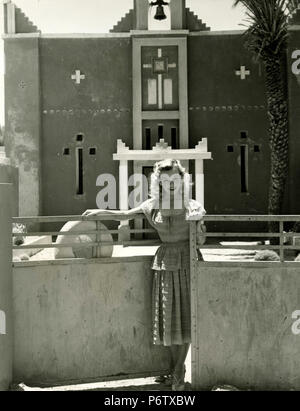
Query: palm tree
{"type": "Point", "coordinates": [266, 37]}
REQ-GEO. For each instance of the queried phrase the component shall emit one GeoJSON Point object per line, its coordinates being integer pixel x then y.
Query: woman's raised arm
{"type": "Point", "coordinates": [115, 214]}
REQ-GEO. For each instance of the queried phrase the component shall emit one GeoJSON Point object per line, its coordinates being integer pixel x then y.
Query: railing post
{"type": "Point", "coordinates": [98, 240]}
{"type": "Point", "coordinates": [6, 326]}
{"type": "Point", "coordinates": [194, 315]}
{"type": "Point", "coordinates": [199, 168]}
{"type": "Point", "coordinates": [281, 241]}
{"type": "Point", "coordinates": [124, 234]}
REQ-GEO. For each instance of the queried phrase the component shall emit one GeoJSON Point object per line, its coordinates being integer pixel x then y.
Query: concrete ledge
{"type": "Point", "coordinates": [20, 35]}
{"type": "Point", "coordinates": [84, 35]}
{"type": "Point", "coordinates": [149, 33]}
{"type": "Point", "coordinates": [82, 261]}
{"type": "Point", "coordinates": [217, 33]}
{"type": "Point", "coordinates": [112, 260]}
{"type": "Point", "coordinates": [133, 33]}
{"type": "Point", "coordinates": [258, 264]}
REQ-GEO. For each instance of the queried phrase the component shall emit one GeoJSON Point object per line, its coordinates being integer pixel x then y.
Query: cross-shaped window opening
{"type": "Point", "coordinates": [148, 138]}
{"type": "Point", "coordinates": [174, 138]}
{"type": "Point", "coordinates": [244, 168]}
{"type": "Point", "coordinates": [160, 132]}
{"type": "Point", "coordinates": [79, 171]}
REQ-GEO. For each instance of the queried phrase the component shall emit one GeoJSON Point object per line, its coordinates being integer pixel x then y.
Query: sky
{"type": "Point", "coordinates": [99, 16]}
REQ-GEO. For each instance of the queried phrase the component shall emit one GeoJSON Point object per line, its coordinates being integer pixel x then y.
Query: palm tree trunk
{"type": "Point", "coordinates": [278, 133]}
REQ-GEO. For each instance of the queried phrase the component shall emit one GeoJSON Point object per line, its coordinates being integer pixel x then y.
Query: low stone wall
{"type": "Point", "coordinates": [84, 320]}
{"type": "Point", "coordinates": [10, 174]}
{"type": "Point", "coordinates": [244, 333]}
{"type": "Point", "coordinates": [6, 318]}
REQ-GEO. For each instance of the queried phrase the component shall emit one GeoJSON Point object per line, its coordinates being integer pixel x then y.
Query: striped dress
{"type": "Point", "coordinates": [171, 302]}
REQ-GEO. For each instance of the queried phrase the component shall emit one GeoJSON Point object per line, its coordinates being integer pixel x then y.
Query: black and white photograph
{"type": "Point", "coordinates": [149, 198]}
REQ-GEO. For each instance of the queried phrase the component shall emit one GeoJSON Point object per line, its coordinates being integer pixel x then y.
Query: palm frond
{"type": "Point", "coordinates": [267, 22]}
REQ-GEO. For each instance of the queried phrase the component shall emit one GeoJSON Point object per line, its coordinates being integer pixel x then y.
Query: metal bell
{"type": "Point", "coordinates": [160, 13]}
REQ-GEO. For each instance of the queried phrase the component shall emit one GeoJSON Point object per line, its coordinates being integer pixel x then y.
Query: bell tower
{"type": "Point", "coordinates": [177, 12]}
{"type": "Point", "coordinates": [141, 8]}
{"type": "Point", "coordinates": [160, 100]}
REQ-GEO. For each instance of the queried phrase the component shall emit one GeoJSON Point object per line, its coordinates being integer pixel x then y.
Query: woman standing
{"type": "Point", "coordinates": [168, 211]}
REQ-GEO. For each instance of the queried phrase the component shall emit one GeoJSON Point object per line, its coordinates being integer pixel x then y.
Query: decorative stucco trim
{"type": "Point", "coordinates": [217, 33]}
{"type": "Point", "coordinates": [83, 35]}
{"type": "Point", "coordinates": [20, 35]}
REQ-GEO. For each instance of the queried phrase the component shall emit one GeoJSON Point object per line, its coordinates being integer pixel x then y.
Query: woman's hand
{"type": "Point", "coordinates": [194, 216]}
{"type": "Point", "coordinates": [201, 233]}
{"type": "Point", "coordinates": [90, 213]}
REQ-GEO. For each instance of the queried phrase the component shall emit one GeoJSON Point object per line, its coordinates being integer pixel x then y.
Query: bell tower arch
{"type": "Point", "coordinates": [175, 10]}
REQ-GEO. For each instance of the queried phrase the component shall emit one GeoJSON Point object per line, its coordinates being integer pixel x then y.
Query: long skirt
{"type": "Point", "coordinates": [171, 304]}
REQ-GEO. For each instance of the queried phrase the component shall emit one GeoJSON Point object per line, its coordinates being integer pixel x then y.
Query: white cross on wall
{"type": "Point", "coordinates": [243, 73]}
{"type": "Point", "coordinates": [78, 76]}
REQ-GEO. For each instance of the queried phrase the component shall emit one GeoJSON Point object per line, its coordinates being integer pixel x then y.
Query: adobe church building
{"type": "Point", "coordinates": [70, 97]}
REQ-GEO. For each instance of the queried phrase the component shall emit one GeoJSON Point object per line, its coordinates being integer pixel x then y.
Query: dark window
{"type": "Point", "coordinates": [230, 149]}
{"type": "Point", "coordinates": [256, 149]}
{"type": "Point", "coordinates": [79, 137]}
{"type": "Point", "coordinates": [66, 152]}
{"type": "Point", "coordinates": [79, 171]}
{"type": "Point", "coordinates": [160, 132]}
{"type": "Point", "coordinates": [148, 138]}
{"type": "Point", "coordinates": [174, 139]}
{"type": "Point", "coordinates": [244, 134]}
{"type": "Point", "coordinates": [244, 169]}
{"type": "Point", "coordinates": [93, 151]}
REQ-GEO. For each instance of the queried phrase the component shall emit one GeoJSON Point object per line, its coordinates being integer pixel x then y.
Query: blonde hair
{"type": "Point", "coordinates": [167, 165]}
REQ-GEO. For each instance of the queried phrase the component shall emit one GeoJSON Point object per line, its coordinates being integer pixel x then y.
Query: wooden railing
{"type": "Point", "coordinates": [281, 235]}
{"type": "Point", "coordinates": [98, 231]}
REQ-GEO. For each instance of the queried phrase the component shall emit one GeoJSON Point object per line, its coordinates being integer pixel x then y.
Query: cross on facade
{"type": "Point", "coordinates": [152, 65]}
{"type": "Point", "coordinates": [245, 148]}
{"type": "Point", "coordinates": [78, 76]}
{"type": "Point", "coordinates": [243, 72]}
{"type": "Point", "coordinates": [159, 66]}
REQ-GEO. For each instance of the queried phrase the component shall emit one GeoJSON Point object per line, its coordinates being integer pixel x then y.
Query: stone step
{"type": "Point", "coordinates": [125, 24]}
{"type": "Point", "coordinates": [23, 23]}
{"type": "Point", "coordinates": [193, 22]}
